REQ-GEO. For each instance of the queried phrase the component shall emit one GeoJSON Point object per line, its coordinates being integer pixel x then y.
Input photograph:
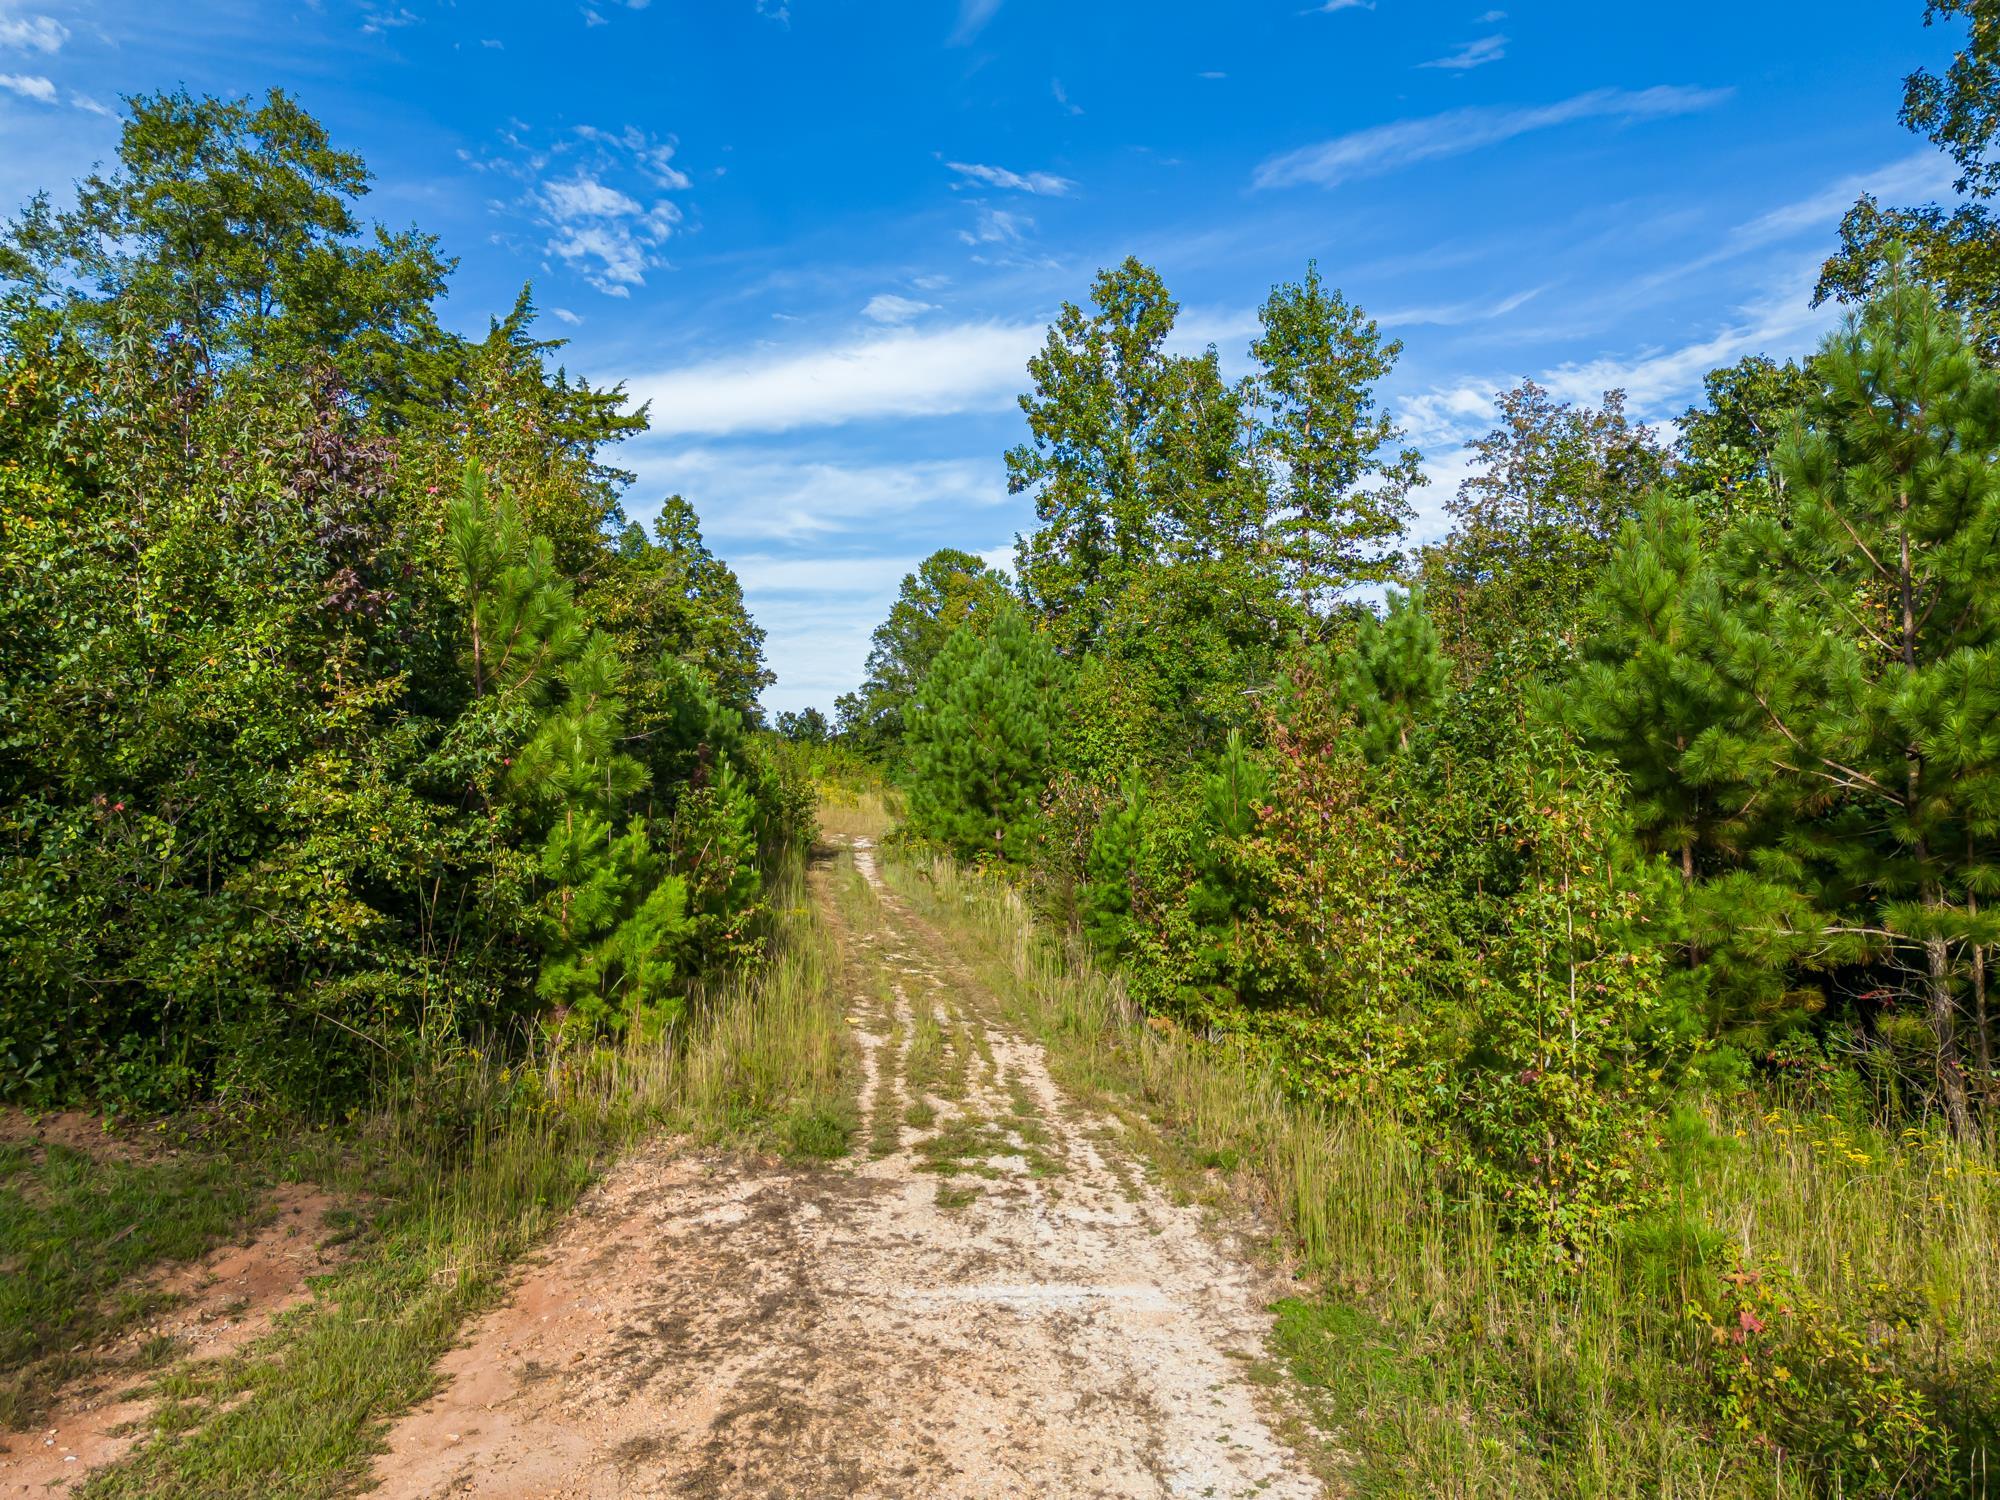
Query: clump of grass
{"type": "Point", "coordinates": [925, 1054]}
{"type": "Point", "coordinates": [765, 1061]}
{"type": "Point", "coordinates": [1443, 1374]}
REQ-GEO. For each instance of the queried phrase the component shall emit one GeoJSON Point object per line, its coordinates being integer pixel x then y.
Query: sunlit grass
{"type": "Point", "coordinates": [1440, 1372]}
{"type": "Point", "coordinates": [471, 1166]}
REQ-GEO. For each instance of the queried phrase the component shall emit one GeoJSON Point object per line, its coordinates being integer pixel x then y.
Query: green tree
{"type": "Point", "coordinates": [541, 433]}
{"type": "Point", "coordinates": [1111, 871]}
{"type": "Point", "coordinates": [230, 224]}
{"type": "Point", "coordinates": [950, 591]}
{"type": "Point", "coordinates": [808, 726]}
{"type": "Point", "coordinates": [1134, 456]}
{"type": "Point", "coordinates": [979, 737]}
{"type": "Point", "coordinates": [1725, 459]}
{"type": "Point", "coordinates": [1551, 486]}
{"type": "Point", "coordinates": [1957, 249]}
{"type": "Point", "coordinates": [671, 597]}
{"type": "Point", "coordinates": [1863, 638]}
{"type": "Point", "coordinates": [1649, 696]}
{"type": "Point", "coordinates": [1339, 486]}
{"type": "Point", "coordinates": [1394, 676]}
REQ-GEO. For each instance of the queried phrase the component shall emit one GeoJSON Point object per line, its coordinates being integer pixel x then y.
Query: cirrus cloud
{"type": "Point", "coordinates": [1382, 149]}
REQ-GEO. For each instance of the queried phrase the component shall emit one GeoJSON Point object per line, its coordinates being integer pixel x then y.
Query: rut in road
{"type": "Point", "coordinates": [988, 1299]}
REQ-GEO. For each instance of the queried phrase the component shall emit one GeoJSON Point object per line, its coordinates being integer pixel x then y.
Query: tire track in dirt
{"type": "Point", "coordinates": [979, 1303]}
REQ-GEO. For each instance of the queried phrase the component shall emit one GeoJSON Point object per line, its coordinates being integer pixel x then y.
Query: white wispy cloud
{"type": "Point", "coordinates": [652, 156]}
{"type": "Point", "coordinates": [1784, 322]}
{"type": "Point", "coordinates": [1474, 54]}
{"type": "Point", "coordinates": [1453, 314]}
{"type": "Point", "coordinates": [598, 194]}
{"type": "Point", "coordinates": [29, 86]}
{"type": "Point", "coordinates": [1043, 184]}
{"type": "Point", "coordinates": [606, 235]}
{"type": "Point", "coordinates": [1331, 6]}
{"type": "Point", "coordinates": [381, 19]}
{"type": "Point", "coordinates": [43, 34]}
{"type": "Point", "coordinates": [1920, 177]}
{"type": "Point", "coordinates": [584, 197]}
{"type": "Point", "coordinates": [887, 307]}
{"type": "Point", "coordinates": [1386, 148]}
{"type": "Point", "coordinates": [763, 499]}
{"type": "Point", "coordinates": [907, 373]}
{"type": "Point", "coordinates": [972, 18]}
{"type": "Point", "coordinates": [91, 106]}
{"type": "Point", "coordinates": [997, 226]}
{"type": "Point", "coordinates": [1062, 97]}
{"type": "Point", "coordinates": [564, 315]}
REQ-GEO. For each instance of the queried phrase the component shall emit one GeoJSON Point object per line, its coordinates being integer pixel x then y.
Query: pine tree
{"type": "Point", "coordinates": [1864, 641]}
{"type": "Point", "coordinates": [1111, 871]}
{"type": "Point", "coordinates": [979, 736]}
{"type": "Point", "coordinates": [1395, 676]}
{"type": "Point", "coordinates": [1649, 697]}
{"type": "Point", "coordinates": [1223, 892]}
{"type": "Point", "coordinates": [618, 922]}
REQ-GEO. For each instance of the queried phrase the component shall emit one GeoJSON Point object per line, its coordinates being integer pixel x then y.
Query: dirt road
{"type": "Point", "coordinates": [988, 1299]}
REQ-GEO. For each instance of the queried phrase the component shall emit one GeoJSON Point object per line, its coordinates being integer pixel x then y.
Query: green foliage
{"type": "Point", "coordinates": [1552, 485]}
{"type": "Point", "coordinates": [1394, 678]}
{"type": "Point", "coordinates": [1111, 871]}
{"type": "Point", "coordinates": [314, 757]}
{"type": "Point", "coordinates": [979, 735]}
{"type": "Point", "coordinates": [1338, 502]}
{"type": "Point", "coordinates": [671, 597]}
{"type": "Point", "coordinates": [1861, 643]}
{"type": "Point", "coordinates": [1820, 1384]}
{"type": "Point", "coordinates": [1244, 509]}
{"type": "Point", "coordinates": [808, 726]}
{"type": "Point", "coordinates": [1575, 1045]}
{"type": "Point", "coordinates": [949, 592]}
{"type": "Point", "coordinates": [1955, 250]}
{"type": "Point", "coordinates": [229, 226]}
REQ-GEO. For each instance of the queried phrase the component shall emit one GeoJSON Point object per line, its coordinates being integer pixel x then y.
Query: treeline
{"type": "Point", "coordinates": [344, 718]}
{"type": "Point", "coordinates": [1674, 767]}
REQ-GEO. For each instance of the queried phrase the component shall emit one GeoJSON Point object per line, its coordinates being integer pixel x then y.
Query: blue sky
{"type": "Point", "coordinates": [823, 236]}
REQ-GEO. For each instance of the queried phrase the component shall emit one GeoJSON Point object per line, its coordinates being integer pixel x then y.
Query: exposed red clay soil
{"type": "Point", "coordinates": [222, 1302]}
{"type": "Point", "coordinates": [990, 1299]}
{"type": "Point", "coordinates": [78, 1130]}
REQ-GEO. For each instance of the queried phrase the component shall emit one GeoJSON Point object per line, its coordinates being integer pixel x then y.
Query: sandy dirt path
{"type": "Point", "coordinates": [988, 1299]}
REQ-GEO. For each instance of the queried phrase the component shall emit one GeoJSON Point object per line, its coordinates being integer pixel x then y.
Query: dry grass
{"type": "Point", "coordinates": [1447, 1376]}
{"type": "Point", "coordinates": [471, 1167]}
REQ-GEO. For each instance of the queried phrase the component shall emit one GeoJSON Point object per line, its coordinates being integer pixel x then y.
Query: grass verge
{"type": "Point", "coordinates": [1440, 1374]}
{"type": "Point", "coordinates": [468, 1169]}
{"type": "Point", "coordinates": [76, 1230]}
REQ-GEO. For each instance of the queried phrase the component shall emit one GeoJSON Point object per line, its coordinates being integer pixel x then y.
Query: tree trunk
{"type": "Point", "coordinates": [1942, 1011]}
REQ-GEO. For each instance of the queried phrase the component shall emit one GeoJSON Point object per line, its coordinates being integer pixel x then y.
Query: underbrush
{"type": "Point", "coordinates": [1809, 1306]}
{"type": "Point", "coordinates": [464, 1167]}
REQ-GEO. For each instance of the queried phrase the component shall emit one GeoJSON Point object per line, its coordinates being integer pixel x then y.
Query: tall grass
{"type": "Point", "coordinates": [472, 1162]}
{"type": "Point", "coordinates": [1443, 1373]}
